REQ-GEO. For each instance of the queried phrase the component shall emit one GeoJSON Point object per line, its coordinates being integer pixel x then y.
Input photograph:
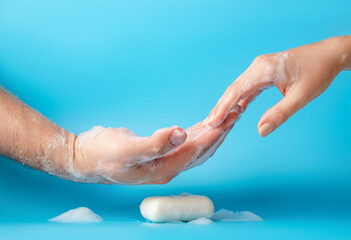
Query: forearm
{"type": "Point", "coordinates": [327, 57]}
{"type": "Point", "coordinates": [30, 138]}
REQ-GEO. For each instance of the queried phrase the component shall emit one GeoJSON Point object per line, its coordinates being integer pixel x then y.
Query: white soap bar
{"type": "Point", "coordinates": [176, 208]}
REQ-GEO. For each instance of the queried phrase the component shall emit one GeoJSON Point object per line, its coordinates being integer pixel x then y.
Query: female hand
{"type": "Point", "coordinates": [301, 74]}
{"type": "Point", "coordinates": [119, 156]}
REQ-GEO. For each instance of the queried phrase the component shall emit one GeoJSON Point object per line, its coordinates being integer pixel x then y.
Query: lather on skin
{"type": "Point", "coordinates": [118, 156]}
{"type": "Point", "coordinates": [301, 74]}
{"type": "Point", "coordinates": [103, 155]}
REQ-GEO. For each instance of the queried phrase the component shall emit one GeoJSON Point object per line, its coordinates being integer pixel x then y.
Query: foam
{"type": "Point", "coordinates": [225, 215]}
{"type": "Point", "coordinates": [200, 159]}
{"type": "Point", "coordinates": [77, 215]}
{"type": "Point", "coordinates": [202, 221]}
{"type": "Point", "coordinates": [92, 133]}
{"type": "Point", "coordinates": [105, 175]}
{"type": "Point", "coordinates": [262, 74]}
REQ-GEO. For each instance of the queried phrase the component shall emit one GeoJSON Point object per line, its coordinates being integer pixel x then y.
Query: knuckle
{"type": "Point", "coordinates": [265, 60]}
{"type": "Point", "coordinates": [280, 115]}
{"type": "Point", "coordinates": [260, 58]}
{"type": "Point", "coordinates": [232, 91]}
{"type": "Point", "coordinates": [158, 147]}
{"type": "Point", "coordinates": [125, 131]}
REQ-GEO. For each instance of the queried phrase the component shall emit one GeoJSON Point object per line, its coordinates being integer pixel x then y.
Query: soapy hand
{"type": "Point", "coordinates": [104, 155]}
{"type": "Point", "coordinates": [119, 156]}
{"type": "Point", "coordinates": [301, 74]}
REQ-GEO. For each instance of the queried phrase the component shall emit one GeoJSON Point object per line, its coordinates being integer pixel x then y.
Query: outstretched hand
{"type": "Point", "coordinates": [301, 74]}
{"type": "Point", "coordinates": [119, 156]}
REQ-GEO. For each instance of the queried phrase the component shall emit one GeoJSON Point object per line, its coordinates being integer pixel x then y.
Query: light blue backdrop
{"type": "Point", "coordinates": [152, 64]}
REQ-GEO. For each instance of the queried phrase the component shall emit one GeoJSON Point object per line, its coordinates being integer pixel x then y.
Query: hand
{"type": "Point", "coordinates": [202, 142]}
{"type": "Point", "coordinates": [119, 156]}
{"type": "Point", "coordinates": [301, 74]}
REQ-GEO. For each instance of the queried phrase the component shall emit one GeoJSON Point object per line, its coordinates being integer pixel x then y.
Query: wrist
{"type": "Point", "coordinates": [61, 153]}
{"type": "Point", "coordinates": [73, 159]}
{"type": "Point", "coordinates": [80, 170]}
{"type": "Point", "coordinates": [341, 49]}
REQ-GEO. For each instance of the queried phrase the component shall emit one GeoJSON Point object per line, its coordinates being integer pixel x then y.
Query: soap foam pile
{"type": "Point", "coordinates": [202, 221]}
{"type": "Point", "coordinates": [85, 215]}
{"type": "Point", "coordinates": [225, 215]}
{"type": "Point", "coordinates": [77, 215]}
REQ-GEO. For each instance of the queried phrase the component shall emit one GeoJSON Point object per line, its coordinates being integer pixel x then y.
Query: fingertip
{"type": "Point", "coordinates": [266, 129]}
{"type": "Point", "coordinates": [178, 137]}
{"type": "Point", "coordinates": [236, 110]}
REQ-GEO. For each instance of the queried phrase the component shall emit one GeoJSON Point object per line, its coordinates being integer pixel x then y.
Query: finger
{"type": "Point", "coordinates": [244, 86]}
{"type": "Point", "coordinates": [211, 135]}
{"type": "Point", "coordinates": [279, 113]}
{"type": "Point", "coordinates": [246, 101]}
{"type": "Point", "coordinates": [163, 170]}
{"type": "Point", "coordinates": [218, 113]}
{"type": "Point", "coordinates": [195, 128]}
{"type": "Point", "coordinates": [161, 142]}
{"type": "Point", "coordinates": [174, 163]}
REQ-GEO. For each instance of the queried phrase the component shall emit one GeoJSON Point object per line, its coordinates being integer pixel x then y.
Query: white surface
{"type": "Point", "coordinates": [77, 215]}
{"type": "Point", "coordinates": [176, 208]}
{"type": "Point", "coordinates": [239, 216]}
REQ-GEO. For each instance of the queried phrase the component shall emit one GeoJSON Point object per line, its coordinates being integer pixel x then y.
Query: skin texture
{"type": "Point", "coordinates": [301, 74]}
{"type": "Point", "coordinates": [104, 155]}
{"type": "Point", "coordinates": [31, 139]}
{"type": "Point", "coordinates": [119, 156]}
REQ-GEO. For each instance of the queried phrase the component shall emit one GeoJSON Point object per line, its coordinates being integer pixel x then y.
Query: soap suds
{"type": "Point", "coordinates": [77, 215]}
{"type": "Point", "coordinates": [266, 71]}
{"type": "Point", "coordinates": [202, 221]}
{"type": "Point", "coordinates": [225, 215]}
{"type": "Point", "coordinates": [92, 133]}
{"type": "Point", "coordinates": [200, 159]}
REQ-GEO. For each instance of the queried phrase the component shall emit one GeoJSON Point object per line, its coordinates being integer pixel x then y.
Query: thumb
{"type": "Point", "coordinates": [162, 142]}
{"type": "Point", "coordinates": [279, 114]}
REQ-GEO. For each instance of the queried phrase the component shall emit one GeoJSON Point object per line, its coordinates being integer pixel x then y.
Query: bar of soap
{"type": "Point", "coordinates": [184, 207]}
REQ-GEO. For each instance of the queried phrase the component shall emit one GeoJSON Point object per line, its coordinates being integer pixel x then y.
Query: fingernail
{"type": "Point", "coordinates": [178, 137]}
{"type": "Point", "coordinates": [266, 129]}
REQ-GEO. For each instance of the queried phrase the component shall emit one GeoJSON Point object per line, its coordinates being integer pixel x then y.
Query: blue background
{"type": "Point", "coordinates": [152, 64]}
